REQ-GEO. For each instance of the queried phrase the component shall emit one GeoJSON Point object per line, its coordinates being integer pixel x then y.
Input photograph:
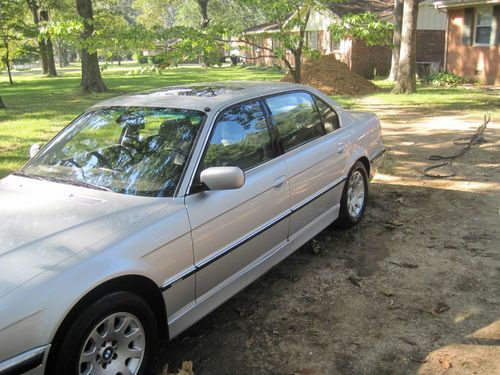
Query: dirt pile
{"type": "Point", "coordinates": [333, 78]}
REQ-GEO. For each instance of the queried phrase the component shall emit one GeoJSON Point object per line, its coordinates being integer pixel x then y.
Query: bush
{"type": "Point", "coordinates": [444, 79]}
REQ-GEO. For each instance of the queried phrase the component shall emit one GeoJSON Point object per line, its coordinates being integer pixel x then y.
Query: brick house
{"type": "Point", "coordinates": [359, 57]}
{"type": "Point", "coordinates": [473, 38]}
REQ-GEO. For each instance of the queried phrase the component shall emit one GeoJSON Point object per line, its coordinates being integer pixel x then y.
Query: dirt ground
{"type": "Point", "coordinates": [413, 289]}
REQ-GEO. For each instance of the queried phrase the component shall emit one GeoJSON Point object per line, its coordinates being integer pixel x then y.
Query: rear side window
{"type": "Point", "coordinates": [240, 138]}
{"type": "Point", "coordinates": [330, 117]}
{"type": "Point", "coordinates": [297, 118]}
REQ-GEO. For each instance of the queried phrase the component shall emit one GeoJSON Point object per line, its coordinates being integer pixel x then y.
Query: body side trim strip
{"type": "Point", "coordinates": [234, 246]}
{"type": "Point", "coordinates": [377, 154]}
{"type": "Point", "coordinates": [24, 362]}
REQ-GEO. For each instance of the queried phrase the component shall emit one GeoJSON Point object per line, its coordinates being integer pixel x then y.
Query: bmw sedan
{"type": "Point", "coordinates": [150, 210]}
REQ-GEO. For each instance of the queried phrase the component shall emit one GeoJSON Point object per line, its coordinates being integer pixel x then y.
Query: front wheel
{"type": "Point", "coordinates": [114, 336]}
{"type": "Point", "coordinates": [354, 197]}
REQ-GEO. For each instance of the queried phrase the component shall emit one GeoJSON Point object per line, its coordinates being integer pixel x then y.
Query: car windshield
{"type": "Point", "coordinates": [129, 150]}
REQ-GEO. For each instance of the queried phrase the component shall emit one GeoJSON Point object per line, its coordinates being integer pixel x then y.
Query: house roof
{"type": "Point", "coordinates": [447, 4]}
{"type": "Point", "coordinates": [267, 27]}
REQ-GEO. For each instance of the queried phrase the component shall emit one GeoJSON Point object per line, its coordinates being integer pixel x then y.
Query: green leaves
{"type": "Point", "coordinates": [366, 27]}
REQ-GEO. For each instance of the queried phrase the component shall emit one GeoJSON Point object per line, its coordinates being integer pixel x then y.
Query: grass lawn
{"type": "Point", "coordinates": [39, 107]}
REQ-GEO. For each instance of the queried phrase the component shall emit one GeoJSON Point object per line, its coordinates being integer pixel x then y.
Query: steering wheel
{"type": "Point", "coordinates": [129, 153]}
{"type": "Point", "coordinates": [105, 162]}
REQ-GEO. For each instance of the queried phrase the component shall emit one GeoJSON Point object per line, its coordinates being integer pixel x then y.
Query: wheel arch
{"type": "Point", "coordinates": [140, 285]}
{"type": "Point", "coordinates": [366, 163]}
{"type": "Point", "coordinates": [357, 154]}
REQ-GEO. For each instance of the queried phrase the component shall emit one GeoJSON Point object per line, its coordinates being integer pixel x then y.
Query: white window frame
{"type": "Point", "coordinates": [334, 43]}
{"type": "Point", "coordinates": [477, 25]}
{"type": "Point", "coordinates": [309, 39]}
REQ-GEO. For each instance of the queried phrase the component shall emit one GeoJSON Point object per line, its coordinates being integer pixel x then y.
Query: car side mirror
{"type": "Point", "coordinates": [34, 149]}
{"type": "Point", "coordinates": [223, 178]}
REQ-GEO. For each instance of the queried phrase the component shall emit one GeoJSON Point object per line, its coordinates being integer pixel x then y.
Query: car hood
{"type": "Point", "coordinates": [44, 223]}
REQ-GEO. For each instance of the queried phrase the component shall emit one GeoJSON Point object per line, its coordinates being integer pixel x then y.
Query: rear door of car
{"type": "Point", "coordinates": [232, 229]}
{"type": "Point", "coordinates": [314, 149]}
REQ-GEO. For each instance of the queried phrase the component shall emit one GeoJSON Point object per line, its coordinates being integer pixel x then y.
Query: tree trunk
{"type": "Point", "coordinates": [7, 62]}
{"type": "Point", "coordinates": [43, 56]}
{"type": "Point", "coordinates": [406, 81]}
{"type": "Point", "coordinates": [51, 63]}
{"type": "Point", "coordinates": [396, 39]}
{"type": "Point", "coordinates": [203, 4]}
{"type": "Point", "coordinates": [42, 48]}
{"type": "Point", "coordinates": [2, 105]}
{"type": "Point", "coordinates": [297, 52]}
{"type": "Point", "coordinates": [64, 54]}
{"type": "Point", "coordinates": [60, 53]}
{"type": "Point", "coordinates": [91, 74]}
{"type": "Point", "coordinates": [297, 73]}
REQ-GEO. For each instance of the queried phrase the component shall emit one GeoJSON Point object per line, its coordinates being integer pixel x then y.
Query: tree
{"type": "Point", "coordinates": [406, 79]}
{"type": "Point", "coordinates": [91, 74]}
{"type": "Point", "coordinates": [2, 105]}
{"type": "Point", "coordinates": [291, 34]}
{"type": "Point", "coordinates": [396, 38]}
{"type": "Point", "coordinates": [51, 63]}
{"type": "Point", "coordinates": [40, 14]}
{"type": "Point", "coordinates": [366, 27]}
{"type": "Point", "coordinates": [42, 47]}
{"type": "Point", "coordinates": [11, 28]}
{"type": "Point", "coordinates": [203, 5]}
{"type": "Point", "coordinates": [291, 17]}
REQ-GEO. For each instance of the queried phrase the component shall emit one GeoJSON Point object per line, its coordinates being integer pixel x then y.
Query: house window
{"type": "Point", "coordinates": [334, 43]}
{"type": "Point", "coordinates": [482, 32]}
{"type": "Point", "coordinates": [312, 39]}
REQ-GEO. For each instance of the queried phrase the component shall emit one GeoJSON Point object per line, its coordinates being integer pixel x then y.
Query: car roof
{"type": "Point", "coordinates": [204, 96]}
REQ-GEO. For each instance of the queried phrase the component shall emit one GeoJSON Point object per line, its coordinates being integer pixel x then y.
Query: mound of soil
{"type": "Point", "coordinates": [333, 77]}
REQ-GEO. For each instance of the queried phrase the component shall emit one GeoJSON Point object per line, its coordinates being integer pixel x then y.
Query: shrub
{"type": "Point", "coordinates": [444, 79]}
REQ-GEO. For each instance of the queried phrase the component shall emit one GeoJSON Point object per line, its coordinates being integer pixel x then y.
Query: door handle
{"type": "Point", "coordinates": [279, 182]}
{"type": "Point", "coordinates": [341, 148]}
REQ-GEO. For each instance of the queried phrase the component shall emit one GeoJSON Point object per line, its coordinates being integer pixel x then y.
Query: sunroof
{"type": "Point", "coordinates": [202, 91]}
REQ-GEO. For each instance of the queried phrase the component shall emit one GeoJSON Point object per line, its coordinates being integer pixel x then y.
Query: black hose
{"type": "Point", "coordinates": [474, 140]}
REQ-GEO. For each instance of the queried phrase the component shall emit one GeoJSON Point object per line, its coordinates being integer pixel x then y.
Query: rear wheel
{"type": "Point", "coordinates": [114, 336]}
{"type": "Point", "coordinates": [354, 197]}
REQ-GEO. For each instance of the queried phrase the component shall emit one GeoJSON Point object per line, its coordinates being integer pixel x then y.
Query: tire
{"type": "Point", "coordinates": [351, 211]}
{"type": "Point", "coordinates": [116, 332]}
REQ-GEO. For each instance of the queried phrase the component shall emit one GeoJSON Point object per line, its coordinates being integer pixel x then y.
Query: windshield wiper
{"type": "Point", "coordinates": [63, 181]}
{"type": "Point", "coordinates": [23, 174]}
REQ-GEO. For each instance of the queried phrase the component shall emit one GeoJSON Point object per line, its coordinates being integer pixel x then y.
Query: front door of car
{"type": "Point", "coordinates": [232, 229]}
{"type": "Point", "coordinates": [315, 150]}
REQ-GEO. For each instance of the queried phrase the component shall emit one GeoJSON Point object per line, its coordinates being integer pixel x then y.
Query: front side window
{"type": "Point", "coordinates": [297, 118]}
{"type": "Point", "coordinates": [330, 117]}
{"type": "Point", "coordinates": [240, 138]}
{"type": "Point", "coordinates": [484, 18]}
{"type": "Point", "coordinates": [129, 150]}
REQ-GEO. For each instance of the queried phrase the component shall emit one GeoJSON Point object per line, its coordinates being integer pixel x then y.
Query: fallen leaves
{"type": "Point", "coordinates": [393, 224]}
{"type": "Point", "coordinates": [354, 280]}
{"type": "Point", "coordinates": [439, 308]}
{"type": "Point", "coordinates": [403, 264]}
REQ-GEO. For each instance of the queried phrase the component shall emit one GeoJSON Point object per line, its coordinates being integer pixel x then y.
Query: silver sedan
{"type": "Point", "coordinates": [150, 210]}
